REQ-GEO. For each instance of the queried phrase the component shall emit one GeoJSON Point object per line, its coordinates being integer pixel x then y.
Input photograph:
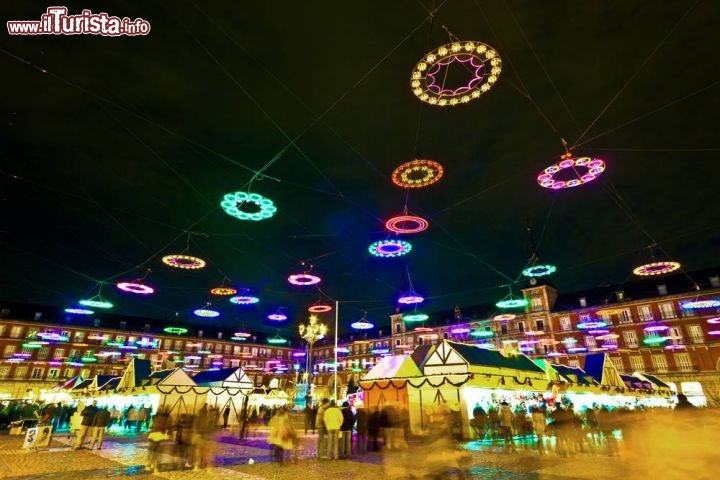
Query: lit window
{"type": "Point", "coordinates": [695, 333]}
{"type": "Point", "coordinates": [667, 310]}
{"type": "Point", "coordinates": [565, 323]}
{"type": "Point", "coordinates": [617, 361]}
{"type": "Point", "coordinates": [637, 364]}
{"type": "Point", "coordinates": [645, 313]}
{"type": "Point", "coordinates": [683, 363]}
{"type": "Point", "coordinates": [16, 332]}
{"type": "Point", "coordinates": [625, 316]}
{"type": "Point", "coordinates": [631, 339]}
{"type": "Point", "coordinates": [660, 363]}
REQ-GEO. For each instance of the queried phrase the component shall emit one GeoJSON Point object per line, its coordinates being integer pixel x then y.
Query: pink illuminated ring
{"type": "Point", "coordinates": [304, 279]}
{"type": "Point", "coordinates": [406, 224]}
{"type": "Point", "coordinates": [417, 174]}
{"type": "Point", "coordinates": [319, 308]}
{"type": "Point", "coordinates": [135, 287]}
{"type": "Point", "coordinates": [590, 169]}
{"type": "Point", "coordinates": [656, 268]}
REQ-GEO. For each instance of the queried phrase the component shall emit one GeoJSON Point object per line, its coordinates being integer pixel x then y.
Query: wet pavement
{"type": "Point", "coordinates": [124, 456]}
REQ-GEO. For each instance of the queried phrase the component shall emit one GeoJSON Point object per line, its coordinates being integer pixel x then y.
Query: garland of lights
{"type": "Point", "coordinates": [480, 59]}
{"type": "Point", "coordinates": [539, 270]}
{"type": "Point", "coordinates": [700, 304]}
{"type": "Point", "coordinates": [185, 262]}
{"type": "Point", "coordinates": [223, 291]}
{"type": "Point", "coordinates": [232, 203]}
{"type": "Point", "coordinates": [204, 312]}
{"type": "Point", "coordinates": [655, 268]}
{"type": "Point", "coordinates": [135, 287]}
{"type": "Point", "coordinates": [79, 311]}
{"type": "Point", "coordinates": [594, 166]}
{"type": "Point", "coordinates": [389, 248]}
{"type": "Point", "coordinates": [244, 300]}
{"type": "Point", "coordinates": [417, 174]}
{"type": "Point", "coordinates": [304, 279]}
{"type": "Point", "coordinates": [407, 224]}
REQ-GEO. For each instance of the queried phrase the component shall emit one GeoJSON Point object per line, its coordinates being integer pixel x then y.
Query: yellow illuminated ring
{"type": "Point", "coordinates": [656, 268]}
{"type": "Point", "coordinates": [417, 174]}
{"type": "Point", "coordinates": [185, 262]}
{"type": "Point", "coordinates": [480, 59]}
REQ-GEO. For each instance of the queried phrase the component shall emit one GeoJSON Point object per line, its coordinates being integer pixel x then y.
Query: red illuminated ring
{"type": "Point", "coordinates": [319, 308]}
{"type": "Point", "coordinates": [223, 291]}
{"type": "Point", "coordinates": [304, 279]}
{"type": "Point", "coordinates": [656, 268]}
{"type": "Point", "coordinates": [417, 174]}
{"type": "Point", "coordinates": [594, 166]}
{"type": "Point", "coordinates": [406, 224]}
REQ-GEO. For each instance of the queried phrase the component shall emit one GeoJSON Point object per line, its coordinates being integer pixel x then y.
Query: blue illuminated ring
{"type": "Point", "coordinates": [389, 248]}
{"type": "Point", "coordinates": [539, 270]}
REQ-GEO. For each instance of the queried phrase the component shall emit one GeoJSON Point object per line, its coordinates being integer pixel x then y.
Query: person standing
{"type": "Point", "coordinates": [333, 418]}
{"type": "Point", "coordinates": [346, 430]}
{"type": "Point", "coordinates": [226, 416]}
{"type": "Point", "coordinates": [88, 413]}
{"type": "Point", "coordinates": [361, 427]}
{"type": "Point", "coordinates": [322, 446]}
{"type": "Point", "coordinates": [539, 423]}
{"type": "Point", "coordinates": [100, 421]}
{"type": "Point", "coordinates": [506, 425]}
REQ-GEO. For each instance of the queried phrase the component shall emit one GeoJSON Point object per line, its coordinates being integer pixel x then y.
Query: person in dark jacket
{"type": "Point", "coordinates": [100, 421]}
{"type": "Point", "coordinates": [346, 431]}
{"type": "Point", "coordinates": [361, 427]}
{"type": "Point", "coordinates": [88, 414]}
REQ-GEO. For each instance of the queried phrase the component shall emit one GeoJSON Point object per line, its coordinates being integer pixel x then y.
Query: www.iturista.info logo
{"type": "Point", "coordinates": [56, 21]}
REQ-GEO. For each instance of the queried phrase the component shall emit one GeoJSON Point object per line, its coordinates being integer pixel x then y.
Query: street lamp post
{"type": "Point", "coordinates": [311, 333]}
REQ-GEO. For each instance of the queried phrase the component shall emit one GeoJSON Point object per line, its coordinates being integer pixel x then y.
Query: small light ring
{"type": "Point", "coordinates": [406, 224]}
{"type": "Point", "coordinates": [185, 262]}
{"type": "Point", "coordinates": [135, 287]}
{"type": "Point", "coordinates": [539, 270]}
{"type": "Point", "coordinates": [594, 167]}
{"type": "Point", "coordinates": [304, 279]}
{"type": "Point", "coordinates": [223, 291]}
{"type": "Point", "coordinates": [417, 174]}
{"type": "Point", "coordinates": [656, 268]}
{"type": "Point", "coordinates": [389, 248]}
{"type": "Point", "coordinates": [319, 308]}
{"type": "Point", "coordinates": [232, 204]}
{"type": "Point", "coordinates": [244, 300]}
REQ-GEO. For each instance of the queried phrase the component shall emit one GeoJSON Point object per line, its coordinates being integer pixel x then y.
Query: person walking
{"type": "Point", "coordinates": [282, 434]}
{"type": "Point", "coordinates": [100, 421]}
{"type": "Point", "coordinates": [88, 413]}
{"type": "Point", "coordinates": [333, 418]}
{"type": "Point", "coordinates": [158, 433]}
{"type": "Point", "coordinates": [226, 416]}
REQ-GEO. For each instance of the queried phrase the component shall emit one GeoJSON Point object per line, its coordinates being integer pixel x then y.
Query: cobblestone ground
{"type": "Point", "coordinates": [123, 457]}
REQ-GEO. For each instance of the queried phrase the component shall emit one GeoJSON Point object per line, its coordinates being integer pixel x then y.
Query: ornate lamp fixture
{"type": "Point", "coordinates": [311, 333]}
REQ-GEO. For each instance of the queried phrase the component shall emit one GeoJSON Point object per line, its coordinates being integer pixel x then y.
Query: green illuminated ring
{"type": "Point", "coordinates": [539, 270]}
{"type": "Point", "coordinates": [175, 330]}
{"type": "Point", "coordinates": [415, 317]}
{"type": "Point", "coordinates": [232, 202]}
{"type": "Point", "coordinates": [512, 303]}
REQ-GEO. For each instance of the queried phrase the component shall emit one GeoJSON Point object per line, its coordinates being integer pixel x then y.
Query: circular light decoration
{"type": "Point", "coordinates": [460, 330]}
{"type": "Point", "coordinates": [655, 268]}
{"type": "Point", "coordinates": [428, 77]}
{"type": "Point", "coordinates": [185, 262]}
{"type": "Point", "coordinates": [610, 311]}
{"type": "Point", "coordinates": [319, 308]}
{"type": "Point", "coordinates": [277, 316]}
{"type": "Point", "coordinates": [589, 324]}
{"type": "Point", "coordinates": [482, 333]}
{"type": "Point", "coordinates": [415, 317]}
{"type": "Point", "coordinates": [135, 287]}
{"type": "Point", "coordinates": [417, 174]}
{"type": "Point", "coordinates": [512, 303]}
{"type": "Point", "coordinates": [713, 320]}
{"type": "Point", "coordinates": [534, 333]}
{"type": "Point", "coordinates": [423, 329]}
{"type": "Point", "coordinates": [675, 346]}
{"type": "Point", "coordinates": [380, 350]}
{"type": "Point", "coordinates": [695, 304]}
{"type": "Point", "coordinates": [598, 331]}
{"type": "Point", "coordinates": [410, 298]}
{"type": "Point", "coordinates": [407, 224]}
{"type": "Point", "coordinates": [362, 324]}
{"type": "Point", "coordinates": [389, 248]}
{"type": "Point", "coordinates": [175, 330]}
{"type": "Point", "coordinates": [591, 168]}
{"type": "Point", "coordinates": [655, 328]}
{"type": "Point", "coordinates": [248, 206]}
{"type": "Point", "coordinates": [96, 302]}
{"type": "Point", "coordinates": [539, 270]}
{"type": "Point", "coordinates": [714, 332]}
{"type": "Point", "coordinates": [608, 336]}
{"type": "Point", "coordinates": [277, 340]}
{"type": "Point", "coordinates": [244, 300]}
{"type": "Point", "coordinates": [655, 340]}
{"type": "Point", "coordinates": [223, 291]}
{"type": "Point", "coordinates": [304, 279]}
{"type": "Point", "coordinates": [504, 317]}
{"type": "Point", "coordinates": [79, 311]}
{"type": "Point", "coordinates": [205, 312]}
{"type": "Point", "coordinates": [88, 359]}
{"type": "Point", "coordinates": [577, 349]}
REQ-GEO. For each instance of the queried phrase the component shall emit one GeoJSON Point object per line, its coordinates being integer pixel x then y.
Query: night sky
{"type": "Point", "coordinates": [117, 151]}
